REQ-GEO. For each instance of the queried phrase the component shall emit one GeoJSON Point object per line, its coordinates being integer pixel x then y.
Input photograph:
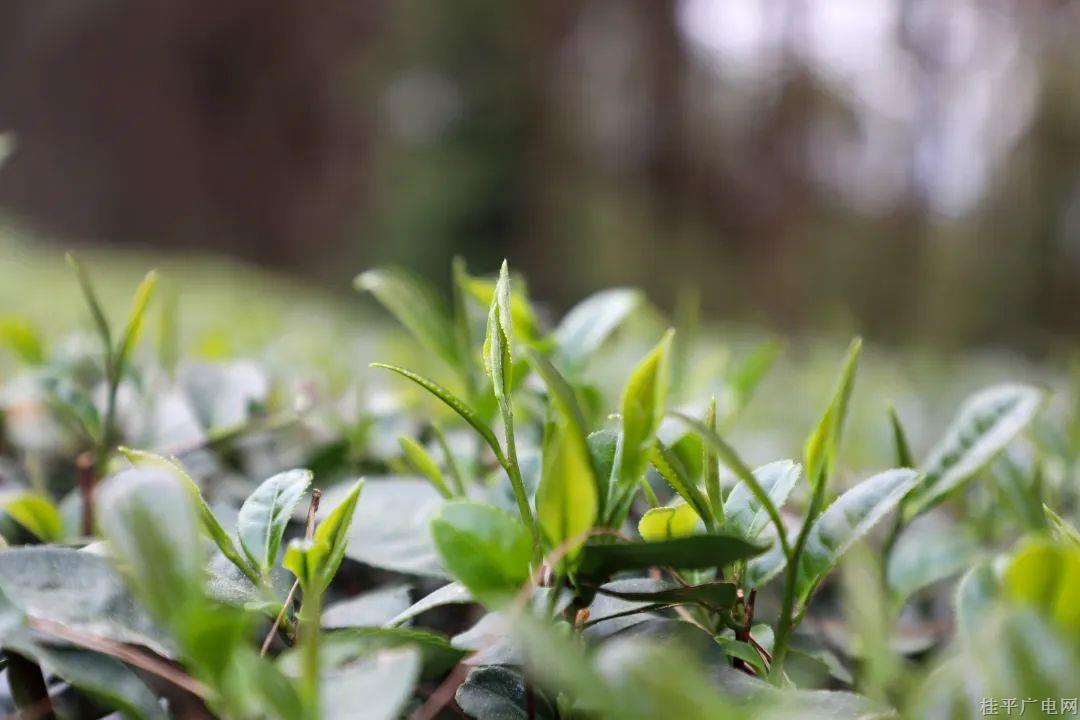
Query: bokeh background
{"type": "Point", "coordinates": [908, 169]}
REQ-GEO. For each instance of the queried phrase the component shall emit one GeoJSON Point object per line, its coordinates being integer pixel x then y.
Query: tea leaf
{"type": "Point", "coordinates": [743, 651]}
{"type": "Point", "coordinates": [731, 459]}
{"type": "Point", "coordinates": [1062, 528]}
{"type": "Point", "coordinates": [452, 594]}
{"type": "Point", "coordinates": [384, 680]}
{"type": "Point", "coordinates": [695, 552]}
{"type": "Point", "coordinates": [266, 513]}
{"type": "Point", "coordinates": [904, 457]}
{"type": "Point", "coordinates": [423, 463]}
{"type": "Point", "coordinates": [672, 471]}
{"type": "Point", "coordinates": [80, 590]}
{"type": "Point", "coordinates": [520, 317]}
{"type": "Point", "coordinates": [975, 594]}
{"type": "Point", "coordinates": [986, 423]}
{"type": "Point", "coordinates": [100, 677]}
{"type": "Point", "coordinates": [499, 692]}
{"type": "Point", "coordinates": [38, 515]}
{"type": "Point", "coordinates": [642, 410]}
{"type": "Point", "coordinates": [710, 467]}
{"type": "Point", "coordinates": [591, 321]}
{"type": "Point", "coordinates": [209, 521]}
{"type": "Point", "coordinates": [153, 529]}
{"type": "Point", "coordinates": [714, 595]}
{"type": "Point", "coordinates": [305, 559]}
{"type": "Point", "coordinates": [566, 501]}
{"type": "Point", "coordinates": [848, 519]}
{"type": "Point", "coordinates": [665, 523]}
{"type": "Point", "coordinates": [416, 307]}
{"type": "Point", "coordinates": [744, 513]}
{"type": "Point", "coordinates": [748, 375]}
{"type": "Point", "coordinates": [497, 353]}
{"type": "Point", "coordinates": [92, 302]}
{"type": "Point", "coordinates": [334, 532]}
{"type": "Point", "coordinates": [482, 546]}
{"type": "Point", "coordinates": [133, 329]}
{"type": "Point", "coordinates": [454, 403]}
{"type": "Point", "coordinates": [23, 340]}
{"type": "Point", "coordinates": [1046, 577]}
{"type": "Point", "coordinates": [821, 447]}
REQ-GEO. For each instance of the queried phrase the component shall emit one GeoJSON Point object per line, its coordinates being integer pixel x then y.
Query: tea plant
{"type": "Point", "coordinates": [527, 544]}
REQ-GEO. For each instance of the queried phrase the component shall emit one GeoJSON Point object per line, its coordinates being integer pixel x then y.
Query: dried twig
{"type": "Point", "coordinates": [129, 655]}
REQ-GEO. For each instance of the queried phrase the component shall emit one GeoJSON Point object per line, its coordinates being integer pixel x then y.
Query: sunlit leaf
{"type": "Point", "coordinates": [334, 532]}
{"type": "Point", "coordinates": [423, 463]}
{"type": "Point", "coordinates": [566, 501]}
{"type": "Point", "coordinates": [822, 445]}
{"type": "Point", "coordinates": [38, 515]}
{"type": "Point", "coordinates": [483, 547]}
{"type": "Point", "coordinates": [266, 513]}
{"type": "Point", "coordinates": [665, 523]}
{"type": "Point", "coordinates": [744, 513]}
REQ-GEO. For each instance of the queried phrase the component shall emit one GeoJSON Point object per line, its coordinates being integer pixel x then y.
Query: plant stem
{"type": "Point", "coordinates": [309, 530]}
{"type": "Point", "coordinates": [513, 469]}
{"type": "Point", "coordinates": [85, 465]}
{"type": "Point", "coordinates": [787, 623]}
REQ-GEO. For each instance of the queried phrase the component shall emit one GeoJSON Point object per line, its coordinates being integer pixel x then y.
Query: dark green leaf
{"type": "Point", "coordinates": [695, 552]}
{"type": "Point", "coordinates": [715, 595]}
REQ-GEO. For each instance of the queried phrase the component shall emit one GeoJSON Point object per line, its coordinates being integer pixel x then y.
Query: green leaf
{"type": "Point", "coordinates": [822, 445]}
{"type": "Point", "coordinates": [498, 360]}
{"type": "Point", "coordinates": [566, 501]}
{"type": "Point", "coordinates": [975, 595]}
{"type": "Point", "coordinates": [1062, 529]}
{"type": "Point", "coordinates": [642, 410]}
{"type": "Point", "coordinates": [590, 322]}
{"type": "Point", "coordinates": [848, 519]}
{"type": "Point", "coordinates": [373, 608]}
{"type": "Point", "coordinates": [748, 375]}
{"type": "Point", "coordinates": [334, 532]}
{"type": "Point", "coordinates": [710, 467]}
{"type": "Point", "coordinates": [714, 595]}
{"type": "Point", "coordinates": [744, 513]}
{"type": "Point", "coordinates": [454, 403]}
{"type": "Point", "coordinates": [689, 553]}
{"type": "Point", "coordinates": [986, 423]}
{"type": "Point", "coordinates": [391, 529]}
{"type": "Point", "coordinates": [38, 515]}
{"type": "Point", "coordinates": [603, 449]}
{"type": "Point", "coordinates": [153, 530]}
{"type": "Point", "coordinates": [743, 651]}
{"type": "Point", "coordinates": [423, 463]}
{"type": "Point", "coordinates": [665, 523]}
{"type": "Point", "coordinates": [209, 521]}
{"type": "Point", "coordinates": [79, 590]}
{"type": "Point", "coordinates": [498, 692]}
{"type": "Point", "coordinates": [929, 550]}
{"type": "Point", "coordinates": [266, 513]}
{"type": "Point", "coordinates": [904, 457]}
{"type": "Point", "coordinates": [416, 307]}
{"type": "Point", "coordinates": [438, 656]}
{"type": "Point", "coordinates": [731, 459]}
{"type": "Point", "coordinates": [521, 316]}
{"type": "Point", "coordinates": [486, 549]}
{"type": "Point", "coordinates": [305, 559]}
{"type": "Point", "coordinates": [676, 476]}
{"type": "Point", "coordinates": [94, 305]}
{"type": "Point", "coordinates": [376, 687]}
{"type": "Point", "coordinates": [23, 340]}
{"type": "Point", "coordinates": [453, 594]}
{"type": "Point", "coordinates": [560, 392]}
{"type": "Point", "coordinates": [133, 329]}
{"type": "Point", "coordinates": [1046, 577]}
{"type": "Point", "coordinates": [103, 678]}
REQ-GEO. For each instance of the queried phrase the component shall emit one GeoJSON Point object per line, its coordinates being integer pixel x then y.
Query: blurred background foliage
{"type": "Point", "coordinates": [908, 169]}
